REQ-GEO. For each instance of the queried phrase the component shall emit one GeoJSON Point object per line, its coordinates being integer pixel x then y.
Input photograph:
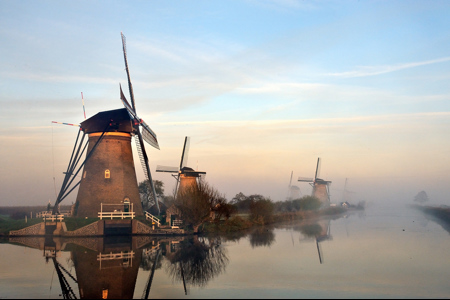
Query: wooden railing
{"type": "Point", "coordinates": [116, 214]}
{"type": "Point", "coordinates": [151, 217]}
{"type": "Point", "coordinates": [43, 214]}
{"type": "Point", "coordinates": [53, 218]}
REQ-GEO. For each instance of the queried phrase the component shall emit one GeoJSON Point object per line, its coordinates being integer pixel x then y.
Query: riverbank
{"type": "Point", "coordinates": [82, 226]}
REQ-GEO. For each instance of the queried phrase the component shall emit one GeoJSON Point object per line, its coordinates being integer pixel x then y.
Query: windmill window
{"type": "Point", "coordinates": [107, 174]}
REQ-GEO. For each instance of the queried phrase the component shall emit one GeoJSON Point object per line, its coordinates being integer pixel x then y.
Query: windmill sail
{"type": "Point", "coordinates": [167, 169]}
{"type": "Point", "coordinates": [305, 179]}
{"type": "Point", "coordinates": [317, 169]}
{"type": "Point", "coordinates": [150, 136]}
{"type": "Point", "coordinates": [184, 155]}
{"type": "Point", "coordinates": [147, 133]}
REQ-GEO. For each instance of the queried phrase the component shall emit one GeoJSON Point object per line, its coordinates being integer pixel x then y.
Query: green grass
{"type": "Point", "coordinates": [73, 223]}
{"type": "Point", "coordinates": [7, 224]}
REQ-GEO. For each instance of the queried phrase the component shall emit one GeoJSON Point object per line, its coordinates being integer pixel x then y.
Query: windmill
{"type": "Point", "coordinates": [346, 193]}
{"type": "Point", "coordinates": [109, 175]}
{"type": "Point", "coordinates": [293, 190]}
{"type": "Point", "coordinates": [184, 175]}
{"type": "Point", "coordinates": [320, 187]}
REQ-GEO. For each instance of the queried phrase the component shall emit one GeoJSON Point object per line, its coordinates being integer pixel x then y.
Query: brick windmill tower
{"type": "Point", "coordinates": [108, 181]}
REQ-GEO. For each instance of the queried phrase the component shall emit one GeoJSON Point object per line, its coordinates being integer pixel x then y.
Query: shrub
{"type": "Point", "coordinates": [261, 211]}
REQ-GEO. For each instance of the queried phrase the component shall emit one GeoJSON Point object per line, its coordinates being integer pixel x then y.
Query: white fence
{"type": "Point", "coordinates": [116, 213]}
{"type": "Point", "coordinates": [53, 218]}
{"type": "Point", "coordinates": [44, 214]}
{"type": "Point", "coordinates": [151, 217]}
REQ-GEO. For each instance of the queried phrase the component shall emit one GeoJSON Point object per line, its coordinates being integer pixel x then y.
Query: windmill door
{"type": "Point", "coordinates": [126, 205]}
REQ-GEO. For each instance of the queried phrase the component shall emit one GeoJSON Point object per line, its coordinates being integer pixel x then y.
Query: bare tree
{"type": "Point", "coordinates": [197, 202]}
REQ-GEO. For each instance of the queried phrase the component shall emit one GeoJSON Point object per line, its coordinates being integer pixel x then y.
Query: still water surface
{"type": "Point", "coordinates": [382, 252]}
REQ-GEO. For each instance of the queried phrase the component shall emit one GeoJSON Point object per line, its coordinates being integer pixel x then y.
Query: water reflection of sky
{"type": "Point", "coordinates": [382, 253]}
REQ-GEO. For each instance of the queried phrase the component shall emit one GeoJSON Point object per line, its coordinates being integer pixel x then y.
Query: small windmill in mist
{"type": "Point", "coordinates": [293, 190]}
{"type": "Point", "coordinates": [346, 193]}
{"type": "Point", "coordinates": [321, 188]}
{"type": "Point", "coordinates": [184, 175]}
{"type": "Point", "coordinates": [421, 197]}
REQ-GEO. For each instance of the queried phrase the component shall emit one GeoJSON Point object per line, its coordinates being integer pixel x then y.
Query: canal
{"type": "Point", "coordinates": [381, 252]}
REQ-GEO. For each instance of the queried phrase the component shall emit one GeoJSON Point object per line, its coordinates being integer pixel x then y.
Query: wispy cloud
{"type": "Point", "coordinates": [357, 119]}
{"type": "Point", "coordinates": [53, 78]}
{"type": "Point", "coordinates": [364, 71]}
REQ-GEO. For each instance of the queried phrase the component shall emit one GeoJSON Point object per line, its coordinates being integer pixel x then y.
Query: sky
{"type": "Point", "coordinates": [262, 88]}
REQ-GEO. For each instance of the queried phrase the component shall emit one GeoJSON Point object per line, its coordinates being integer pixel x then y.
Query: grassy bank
{"type": "Point", "coordinates": [237, 222]}
{"type": "Point", "coordinates": [242, 222]}
{"type": "Point", "coordinates": [7, 224]}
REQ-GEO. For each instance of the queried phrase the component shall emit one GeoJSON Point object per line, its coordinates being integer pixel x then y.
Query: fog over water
{"type": "Point", "coordinates": [384, 251]}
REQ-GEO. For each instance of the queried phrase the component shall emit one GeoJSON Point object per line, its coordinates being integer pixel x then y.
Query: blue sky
{"type": "Point", "coordinates": [262, 88]}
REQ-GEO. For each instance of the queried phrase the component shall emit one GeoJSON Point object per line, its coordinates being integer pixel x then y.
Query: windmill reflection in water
{"type": "Point", "coordinates": [108, 267]}
{"type": "Point", "coordinates": [319, 230]}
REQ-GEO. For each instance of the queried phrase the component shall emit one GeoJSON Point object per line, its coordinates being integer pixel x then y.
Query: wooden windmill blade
{"type": "Point", "coordinates": [185, 153]}
{"type": "Point", "coordinates": [166, 169]}
{"type": "Point", "coordinates": [317, 169]}
{"type": "Point", "coordinates": [306, 179]}
{"type": "Point", "coordinates": [150, 136]}
{"type": "Point", "coordinates": [130, 86]}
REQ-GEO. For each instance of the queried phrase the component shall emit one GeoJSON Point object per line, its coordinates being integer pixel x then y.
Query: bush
{"type": "Point", "coordinates": [261, 211]}
{"type": "Point", "coordinates": [307, 203]}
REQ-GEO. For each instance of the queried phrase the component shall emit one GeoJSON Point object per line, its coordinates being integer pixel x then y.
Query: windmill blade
{"type": "Point", "coordinates": [290, 181]}
{"type": "Point", "coordinates": [149, 135]}
{"type": "Point", "coordinates": [167, 169]}
{"type": "Point", "coordinates": [305, 179]}
{"type": "Point", "coordinates": [147, 168]}
{"type": "Point", "coordinates": [319, 251]}
{"type": "Point", "coordinates": [130, 87]}
{"type": "Point", "coordinates": [317, 169]}
{"type": "Point", "coordinates": [184, 155]}
{"type": "Point", "coordinates": [127, 104]}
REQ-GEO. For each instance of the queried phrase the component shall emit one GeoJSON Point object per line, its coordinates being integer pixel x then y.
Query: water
{"type": "Point", "coordinates": [382, 252]}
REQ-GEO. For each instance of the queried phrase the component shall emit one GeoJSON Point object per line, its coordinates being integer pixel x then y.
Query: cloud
{"type": "Point", "coordinates": [364, 71]}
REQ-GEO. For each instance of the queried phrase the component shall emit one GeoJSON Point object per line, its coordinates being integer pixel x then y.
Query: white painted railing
{"type": "Point", "coordinates": [53, 218]}
{"type": "Point", "coordinates": [151, 217]}
{"type": "Point", "coordinates": [126, 259]}
{"type": "Point", "coordinates": [116, 213]}
{"type": "Point", "coordinates": [44, 214]}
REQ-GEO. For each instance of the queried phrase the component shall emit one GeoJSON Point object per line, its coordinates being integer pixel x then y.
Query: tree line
{"type": "Point", "coordinates": [205, 204]}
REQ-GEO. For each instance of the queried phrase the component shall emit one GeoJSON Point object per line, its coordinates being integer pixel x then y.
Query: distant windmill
{"type": "Point", "coordinates": [320, 186]}
{"type": "Point", "coordinates": [293, 190]}
{"type": "Point", "coordinates": [109, 176]}
{"type": "Point", "coordinates": [184, 175]}
{"type": "Point", "coordinates": [346, 193]}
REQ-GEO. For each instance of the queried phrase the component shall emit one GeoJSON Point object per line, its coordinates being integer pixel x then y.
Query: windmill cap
{"type": "Point", "coordinates": [119, 118]}
{"type": "Point", "coordinates": [189, 172]}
